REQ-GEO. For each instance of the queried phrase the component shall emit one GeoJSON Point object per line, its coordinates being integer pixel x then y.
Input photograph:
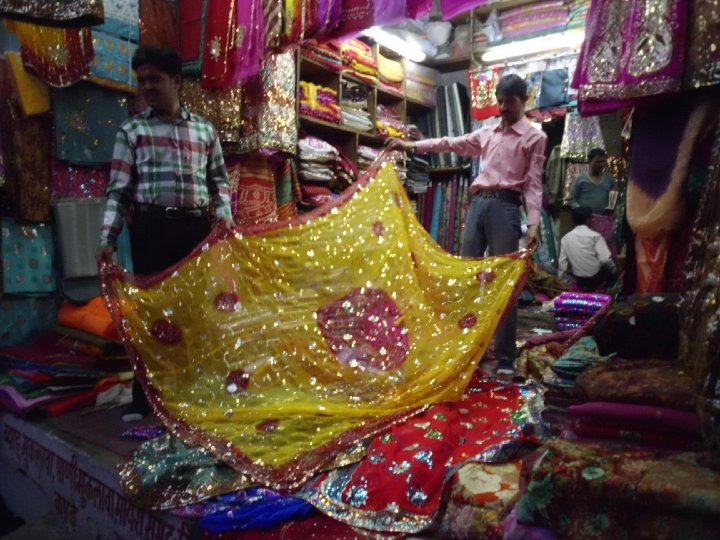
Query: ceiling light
{"type": "Point", "coordinates": [395, 43]}
{"type": "Point", "coordinates": [568, 40]}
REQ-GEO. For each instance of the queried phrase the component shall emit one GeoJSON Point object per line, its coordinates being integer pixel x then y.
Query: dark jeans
{"type": "Point", "coordinates": [494, 224]}
{"type": "Point", "coordinates": [158, 242]}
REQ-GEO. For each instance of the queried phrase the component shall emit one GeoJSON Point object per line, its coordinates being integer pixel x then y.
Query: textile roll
{"type": "Point", "coordinates": [317, 332]}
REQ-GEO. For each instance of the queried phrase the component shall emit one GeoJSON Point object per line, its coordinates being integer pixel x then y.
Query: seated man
{"type": "Point", "coordinates": [590, 261]}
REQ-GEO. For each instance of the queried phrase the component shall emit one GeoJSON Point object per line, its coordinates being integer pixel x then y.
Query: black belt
{"type": "Point", "coordinates": [170, 212]}
{"type": "Point", "coordinates": [509, 195]}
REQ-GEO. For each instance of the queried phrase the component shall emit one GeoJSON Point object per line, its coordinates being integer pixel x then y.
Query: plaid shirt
{"type": "Point", "coordinates": [176, 164]}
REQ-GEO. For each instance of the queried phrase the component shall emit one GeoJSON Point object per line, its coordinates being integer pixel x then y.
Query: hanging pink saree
{"type": "Point", "coordinates": [280, 344]}
{"type": "Point", "coordinates": [632, 50]}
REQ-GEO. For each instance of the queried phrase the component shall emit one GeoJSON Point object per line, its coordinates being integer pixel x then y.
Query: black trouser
{"type": "Point", "coordinates": [603, 277]}
{"type": "Point", "coordinates": [158, 241]}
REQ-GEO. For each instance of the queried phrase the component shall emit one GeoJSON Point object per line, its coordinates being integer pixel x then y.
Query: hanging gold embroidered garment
{"type": "Point", "coordinates": [277, 345]}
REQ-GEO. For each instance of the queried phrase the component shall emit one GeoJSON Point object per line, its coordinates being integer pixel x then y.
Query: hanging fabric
{"type": "Point", "coordinates": [121, 19]}
{"type": "Point", "coordinates": [659, 168]}
{"type": "Point", "coordinates": [632, 50]}
{"type": "Point", "coordinates": [482, 90]}
{"type": "Point", "coordinates": [112, 65]}
{"type": "Point", "coordinates": [703, 52]}
{"type": "Point", "coordinates": [269, 107]}
{"type": "Point", "coordinates": [222, 37]}
{"type": "Point", "coordinates": [252, 185]}
{"type": "Point", "coordinates": [580, 136]}
{"type": "Point", "coordinates": [554, 88]}
{"type": "Point", "coordinates": [28, 164]}
{"type": "Point", "coordinates": [31, 92]}
{"type": "Point", "coordinates": [222, 106]}
{"type": "Point", "coordinates": [191, 26]}
{"type": "Point", "coordinates": [250, 51]}
{"type": "Point", "coordinates": [61, 13]}
{"type": "Point", "coordinates": [28, 256]}
{"type": "Point", "coordinates": [159, 23]}
{"type": "Point", "coordinates": [87, 118]}
{"type": "Point", "coordinates": [60, 56]}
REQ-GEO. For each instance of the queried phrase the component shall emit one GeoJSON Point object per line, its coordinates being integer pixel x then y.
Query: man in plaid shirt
{"type": "Point", "coordinates": [167, 169]}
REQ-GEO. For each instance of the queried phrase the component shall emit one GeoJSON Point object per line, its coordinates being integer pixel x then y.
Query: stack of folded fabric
{"type": "Point", "coordinates": [326, 53]}
{"type": "Point", "coordinates": [389, 123]}
{"type": "Point", "coordinates": [346, 172]}
{"type": "Point", "coordinates": [319, 102]}
{"type": "Point", "coordinates": [317, 160]}
{"type": "Point", "coordinates": [561, 378]}
{"type": "Point", "coordinates": [80, 363]}
{"type": "Point", "coordinates": [578, 13]}
{"type": "Point", "coordinates": [420, 83]}
{"type": "Point", "coordinates": [390, 74]}
{"type": "Point", "coordinates": [358, 61]}
{"type": "Point", "coordinates": [575, 309]}
{"type": "Point", "coordinates": [354, 106]}
{"type": "Point", "coordinates": [418, 174]}
{"type": "Point", "coordinates": [534, 19]}
{"type": "Point", "coordinates": [586, 491]}
{"type": "Point", "coordinates": [643, 403]}
{"type": "Point", "coordinates": [366, 156]}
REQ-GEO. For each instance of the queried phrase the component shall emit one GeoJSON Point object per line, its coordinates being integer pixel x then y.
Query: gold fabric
{"type": "Point", "coordinates": [279, 344]}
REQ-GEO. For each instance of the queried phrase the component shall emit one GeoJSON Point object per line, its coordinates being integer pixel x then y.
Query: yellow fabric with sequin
{"type": "Point", "coordinates": [33, 94]}
{"type": "Point", "coordinates": [280, 345]}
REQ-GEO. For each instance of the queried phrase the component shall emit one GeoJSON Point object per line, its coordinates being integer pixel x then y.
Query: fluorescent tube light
{"type": "Point", "coordinates": [395, 43]}
{"type": "Point", "coordinates": [568, 40]}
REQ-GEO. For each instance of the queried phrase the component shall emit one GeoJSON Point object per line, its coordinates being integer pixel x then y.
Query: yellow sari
{"type": "Point", "coordinates": [276, 346]}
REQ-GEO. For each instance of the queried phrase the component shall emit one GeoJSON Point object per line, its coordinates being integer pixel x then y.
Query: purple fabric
{"type": "Point", "coordinates": [618, 27]}
{"type": "Point", "coordinates": [329, 16]}
{"type": "Point", "coordinates": [388, 11]}
{"type": "Point", "coordinates": [653, 158]}
{"type": "Point", "coordinates": [645, 415]}
{"type": "Point", "coordinates": [15, 402]}
{"type": "Point", "coordinates": [418, 8]}
{"type": "Point", "coordinates": [249, 53]}
{"type": "Point", "coordinates": [513, 530]}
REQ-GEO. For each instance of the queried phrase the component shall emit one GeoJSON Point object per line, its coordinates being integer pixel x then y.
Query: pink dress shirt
{"type": "Point", "coordinates": [512, 158]}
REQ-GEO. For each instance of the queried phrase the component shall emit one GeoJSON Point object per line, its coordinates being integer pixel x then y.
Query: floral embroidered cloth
{"type": "Point", "coordinates": [316, 333]}
{"type": "Point", "coordinates": [399, 485]}
{"type": "Point", "coordinates": [586, 492]}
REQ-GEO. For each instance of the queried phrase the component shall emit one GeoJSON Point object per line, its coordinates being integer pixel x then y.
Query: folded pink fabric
{"type": "Point", "coordinates": [647, 415]}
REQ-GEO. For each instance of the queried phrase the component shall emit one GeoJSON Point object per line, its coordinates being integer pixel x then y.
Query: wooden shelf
{"type": "Point", "coordinates": [329, 125]}
{"type": "Point", "coordinates": [389, 93]}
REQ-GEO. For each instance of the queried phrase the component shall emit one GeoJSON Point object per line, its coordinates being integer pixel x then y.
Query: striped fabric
{"type": "Point", "coordinates": [273, 22]}
{"type": "Point", "coordinates": [156, 162]}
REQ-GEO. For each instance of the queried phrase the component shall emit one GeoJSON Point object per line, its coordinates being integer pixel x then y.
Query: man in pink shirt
{"type": "Point", "coordinates": [513, 156]}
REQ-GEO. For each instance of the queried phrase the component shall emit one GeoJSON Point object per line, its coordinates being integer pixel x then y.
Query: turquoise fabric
{"type": "Point", "coordinates": [28, 255]}
{"type": "Point", "coordinates": [24, 318]}
{"type": "Point", "coordinates": [87, 118]}
{"type": "Point", "coordinates": [111, 67]}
